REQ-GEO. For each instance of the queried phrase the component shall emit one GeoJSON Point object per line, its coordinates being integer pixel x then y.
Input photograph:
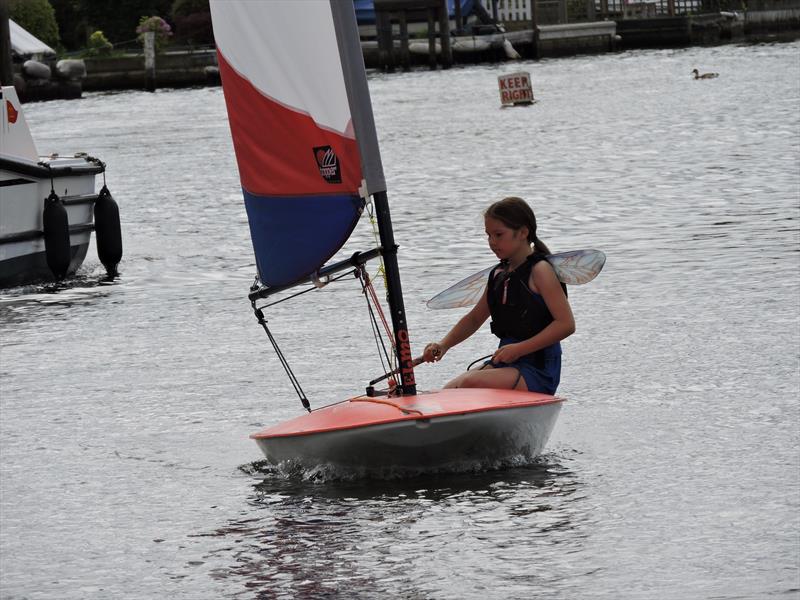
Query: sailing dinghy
{"type": "Point", "coordinates": [304, 136]}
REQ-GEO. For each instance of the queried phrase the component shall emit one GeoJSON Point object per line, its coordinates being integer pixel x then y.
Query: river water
{"type": "Point", "coordinates": [673, 472]}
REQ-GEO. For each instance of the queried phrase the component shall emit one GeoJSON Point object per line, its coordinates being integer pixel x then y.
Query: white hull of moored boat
{"type": "Point", "coordinates": [22, 246]}
{"type": "Point", "coordinates": [48, 206]}
{"type": "Point", "coordinates": [436, 436]}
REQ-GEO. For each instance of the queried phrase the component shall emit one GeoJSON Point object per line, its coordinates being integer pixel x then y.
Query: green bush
{"type": "Point", "coordinates": [158, 26]}
{"type": "Point", "coordinates": [98, 45]}
{"type": "Point", "coordinates": [115, 18]}
{"type": "Point", "coordinates": [37, 17]}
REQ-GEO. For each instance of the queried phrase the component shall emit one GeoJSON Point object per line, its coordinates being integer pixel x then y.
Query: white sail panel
{"type": "Point", "coordinates": [253, 38]}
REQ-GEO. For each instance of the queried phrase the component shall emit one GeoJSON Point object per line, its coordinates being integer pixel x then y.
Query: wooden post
{"type": "Point", "coordinates": [405, 58]}
{"type": "Point", "coordinates": [6, 69]}
{"type": "Point", "coordinates": [458, 17]}
{"type": "Point", "coordinates": [535, 28]}
{"type": "Point", "coordinates": [150, 61]}
{"type": "Point", "coordinates": [383, 25]}
{"type": "Point", "coordinates": [432, 38]}
{"type": "Point", "coordinates": [563, 17]}
{"type": "Point", "coordinates": [671, 8]}
{"type": "Point", "coordinates": [444, 34]}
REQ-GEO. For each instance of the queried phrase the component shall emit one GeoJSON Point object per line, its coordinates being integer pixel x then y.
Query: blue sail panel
{"type": "Point", "coordinates": [280, 226]}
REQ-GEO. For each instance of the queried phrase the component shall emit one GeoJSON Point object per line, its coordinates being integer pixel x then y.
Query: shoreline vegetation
{"type": "Point", "coordinates": [777, 20]}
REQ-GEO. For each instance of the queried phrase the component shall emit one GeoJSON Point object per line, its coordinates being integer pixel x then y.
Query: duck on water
{"type": "Point", "coordinates": [698, 75]}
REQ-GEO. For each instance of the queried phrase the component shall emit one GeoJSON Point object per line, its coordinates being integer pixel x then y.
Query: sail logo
{"type": "Point", "coordinates": [328, 164]}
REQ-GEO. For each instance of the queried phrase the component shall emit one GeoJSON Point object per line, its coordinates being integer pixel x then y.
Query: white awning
{"type": "Point", "coordinates": [25, 44]}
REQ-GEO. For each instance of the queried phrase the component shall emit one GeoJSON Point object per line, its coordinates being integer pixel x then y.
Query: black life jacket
{"type": "Point", "coordinates": [517, 312]}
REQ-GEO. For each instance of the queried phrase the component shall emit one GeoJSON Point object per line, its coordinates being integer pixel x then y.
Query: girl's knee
{"type": "Point", "coordinates": [470, 379]}
{"type": "Point", "coordinates": [456, 382]}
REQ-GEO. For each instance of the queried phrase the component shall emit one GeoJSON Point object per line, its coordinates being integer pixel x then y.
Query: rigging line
{"type": "Point", "coordinates": [362, 276]}
{"type": "Point", "coordinates": [380, 310]}
{"type": "Point", "coordinates": [381, 268]}
{"type": "Point", "coordinates": [311, 289]}
{"type": "Point", "coordinates": [389, 334]}
{"type": "Point", "coordinates": [393, 361]}
{"type": "Point", "coordinates": [378, 341]}
{"type": "Point", "coordinates": [295, 383]}
{"type": "Point", "coordinates": [386, 328]}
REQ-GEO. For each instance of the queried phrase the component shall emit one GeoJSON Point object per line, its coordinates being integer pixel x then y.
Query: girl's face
{"type": "Point", "coordinates": [504, 241]}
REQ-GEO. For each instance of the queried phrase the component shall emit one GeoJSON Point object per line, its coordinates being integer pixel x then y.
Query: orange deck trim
{"type": "Point", "coordinates": [355, 413]}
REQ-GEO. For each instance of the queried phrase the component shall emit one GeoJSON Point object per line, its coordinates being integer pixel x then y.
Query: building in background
{"type": "Point", "coordinates": [509, 10]}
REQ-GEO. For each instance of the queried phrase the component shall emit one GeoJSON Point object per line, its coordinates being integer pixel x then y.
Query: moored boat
{"type": "Point", "coordinates": [49, 206]}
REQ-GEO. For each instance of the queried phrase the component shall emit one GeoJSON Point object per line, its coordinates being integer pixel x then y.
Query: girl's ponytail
{"type": "Point", "coordinates": [540, 246]}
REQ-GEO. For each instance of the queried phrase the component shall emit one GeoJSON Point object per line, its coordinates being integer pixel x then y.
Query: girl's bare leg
{"type": "Point", "coordinates": [501, 379]}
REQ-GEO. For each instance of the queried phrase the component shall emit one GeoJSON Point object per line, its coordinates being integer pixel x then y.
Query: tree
{"type": "Point", "coordinates": [73, 27]}
{"type": "Point", "coordinates": [192, 20]}
{"type": "Point", "coordinates": [118, 20]}
{"type": "Point", "coordinates": [37, 17]}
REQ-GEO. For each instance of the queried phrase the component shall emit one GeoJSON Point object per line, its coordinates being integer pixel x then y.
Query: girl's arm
{"type": "Point", "coordinates": [544, 282]}
{"type": "Point", "coordinates": [466, 326]}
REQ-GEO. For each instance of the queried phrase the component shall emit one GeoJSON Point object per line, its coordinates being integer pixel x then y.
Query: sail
{"type": "Point", "coordinates": [296, 93]}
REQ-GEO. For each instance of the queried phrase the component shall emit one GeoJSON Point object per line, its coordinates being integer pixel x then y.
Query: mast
{"type": "Point", "coordinates": [364, 125]}
{"type": "Point", "coordinates": [395, 294]}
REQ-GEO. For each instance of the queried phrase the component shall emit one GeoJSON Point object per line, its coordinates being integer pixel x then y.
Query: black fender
{"type": "Point", "coordinates": [108, 232]}
{"type": "Point", "coordinates": [56, 236]}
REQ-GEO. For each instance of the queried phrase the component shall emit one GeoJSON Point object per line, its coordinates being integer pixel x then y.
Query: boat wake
{"type": "Point", "coordinates": [83, 286]}
{"type": "Point", "coordinates": [326, 472]}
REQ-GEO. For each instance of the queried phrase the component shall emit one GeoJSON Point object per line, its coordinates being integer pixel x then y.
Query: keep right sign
{"type": "Point", "coordinates": [515, 88]}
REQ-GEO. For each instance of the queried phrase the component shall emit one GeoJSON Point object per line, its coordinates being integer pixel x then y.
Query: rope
{"type": "Point", "coordinates": [374, 297]}
{"type": "Point", "coordinates": [365, 286]}
{"type": "Point", "coordinates": [405, 411]}
{"type": "Point", "coordinates": [376, 237]}
{"type": "Point", "coordinates": [369, 295]}
{"type": "Point", "coordinates": [305, 291]}
{"type": "Point", "coordinates": [358, 272]}
{"type": "Point", "coordinates": [479, 360]}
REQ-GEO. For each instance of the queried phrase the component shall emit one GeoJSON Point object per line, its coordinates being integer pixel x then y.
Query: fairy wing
{"type": "Point", "coordinates": [577, 266]}
{"type": "Point", "coordinates": [466, 292]}
{"type": "Point", "coordinates": [573, 268]}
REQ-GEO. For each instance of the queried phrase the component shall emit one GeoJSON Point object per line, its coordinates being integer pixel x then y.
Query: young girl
{"type": "Point", "coordinates": [528, 305]}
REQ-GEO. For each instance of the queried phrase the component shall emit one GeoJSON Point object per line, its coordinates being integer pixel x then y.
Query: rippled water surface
{"type": "Point", "coordinates": [674, 471]}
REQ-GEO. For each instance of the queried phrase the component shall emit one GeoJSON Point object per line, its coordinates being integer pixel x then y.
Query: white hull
{"type": "Point", "coordinates": [22, 195]}
{"type": "Point", "coordinates": [26, 179]}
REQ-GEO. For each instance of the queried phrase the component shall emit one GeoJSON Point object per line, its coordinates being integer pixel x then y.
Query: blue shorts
{"type": "Point", "coordinates": [542, 375]}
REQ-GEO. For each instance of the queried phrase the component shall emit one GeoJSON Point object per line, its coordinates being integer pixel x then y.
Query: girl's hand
{"type": "Point", "coordinates": [433, 352]}
{"type": "Point", "coordinates": [507, 354]}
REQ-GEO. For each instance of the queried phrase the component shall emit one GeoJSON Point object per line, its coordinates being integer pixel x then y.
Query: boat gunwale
{"type": "Point", "coordinates": [39, 170]}
{"type": "Point", "coordinates": [263, 435]}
